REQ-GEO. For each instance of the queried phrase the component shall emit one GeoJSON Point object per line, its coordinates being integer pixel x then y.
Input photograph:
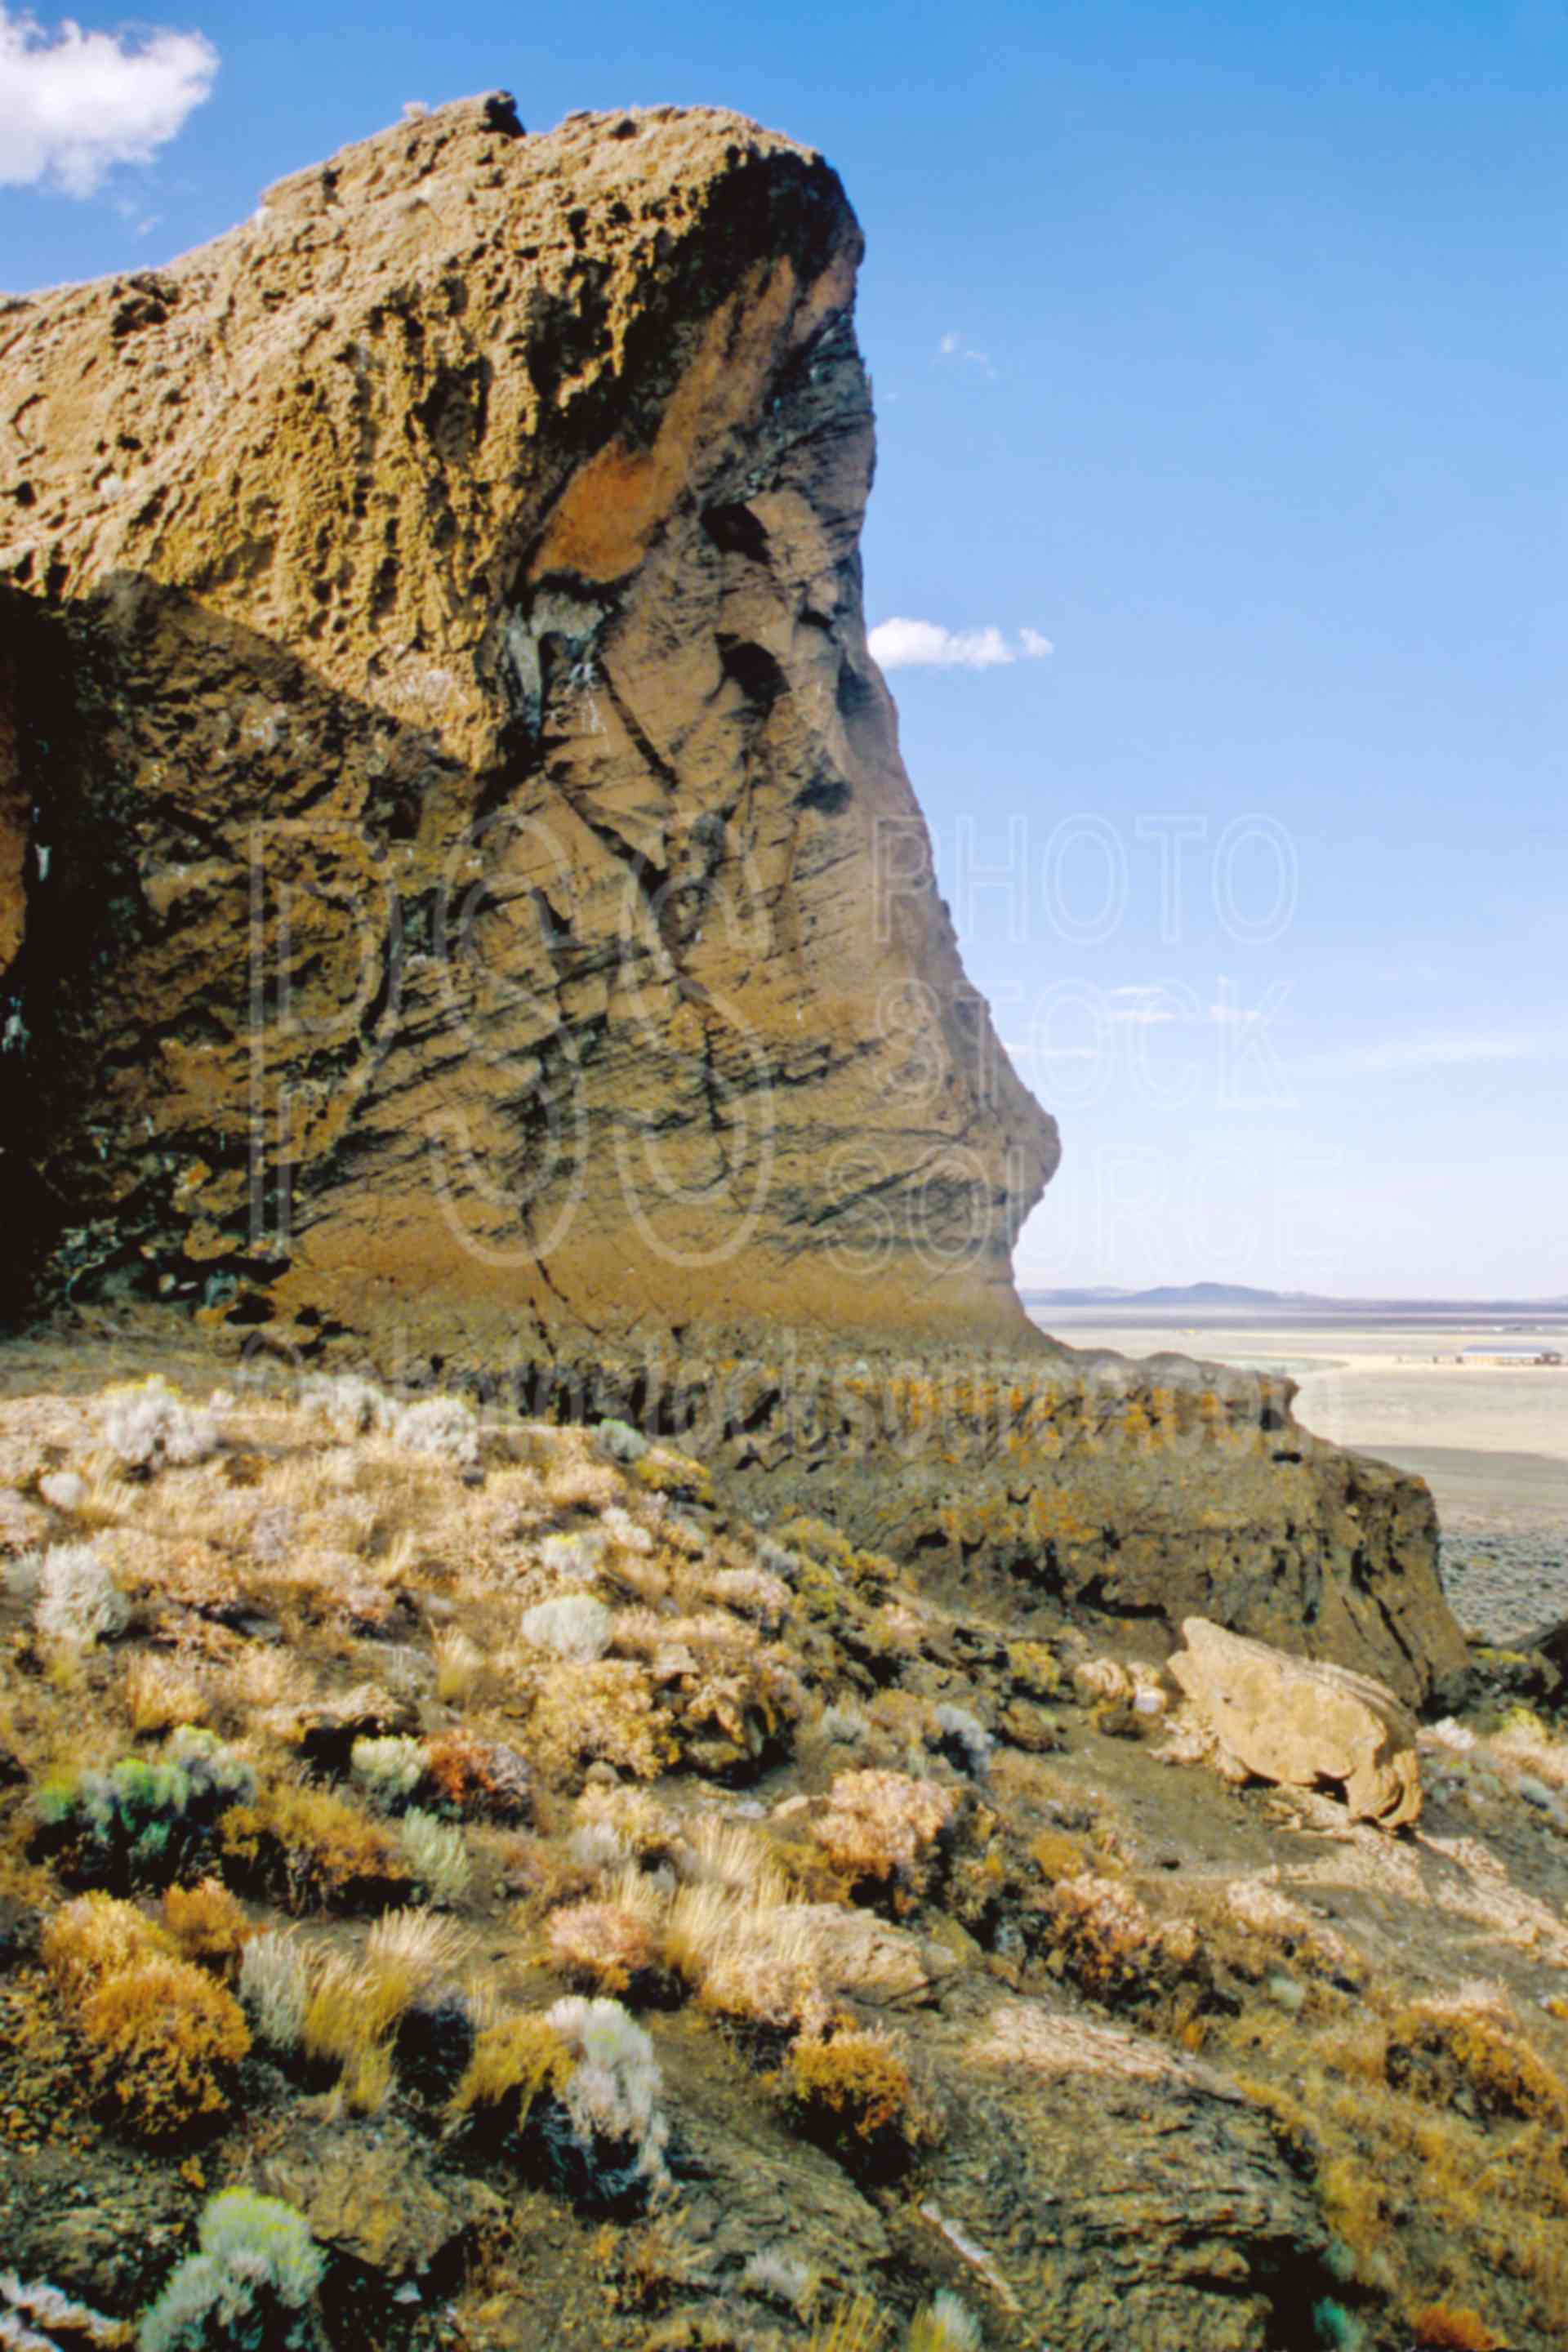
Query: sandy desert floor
{"type": "Point", "coordinates": [1491, 1441]}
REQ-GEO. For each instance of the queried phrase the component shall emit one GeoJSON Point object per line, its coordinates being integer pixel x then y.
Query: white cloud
{"type": "Point", "coordinates": [954, 347]}
{"type": "Point", "coordinates": [926, 644]}
{"type": "Point", "coordinates": [1438, 1053]}
{"type": "Point", "coordinates": [1049, 1053]}
{"type": "Point", "coordinates": [74, 104]}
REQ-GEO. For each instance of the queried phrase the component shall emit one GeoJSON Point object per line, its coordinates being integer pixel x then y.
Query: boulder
{"type": "Point", "coordinates": [872, 1958]}
{"type": "Point", "coordinates": [1301, 1723]}
{"type": "Point", "coordinates": [371, 2193]}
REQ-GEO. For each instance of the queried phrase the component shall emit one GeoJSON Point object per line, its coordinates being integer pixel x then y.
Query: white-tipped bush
{"type": "Point", "coordinates": [444, 1426]}
{"type": "Point", "coordinates": [598, 1847]}
{"type": "Point", "coordinates": [350, 1406]}
{"type": "Point", "coordinates": [622, 1528]}
{"type": "Point", "coordinates": [945, 2325]}
{"type": "Point", "coordinates": [388, 1770]}
{"type": "Point", "coordinates": [965, 1739]}
{"type": "Point", "coordinates": [147, 1424]}
{"type": "Point", "coordinates": [250, 2288]}
{"type": "Point", "coordinates": [577, 1555]}
{"type": "Point", "coordinates": [79, 1600]}
{"type": "Point", "coordinates": [844, 1721]}
{"type": "Point", "coordinates": [275, 1989]}
{"type": "Point", "coordinates": [612, 2095]}
{"type": "Point", "coordinates": [437, 1856]}
{"type": "Point", "coordinates": [575, 1626]}
{"type": "Point", "coordinates": [783, 2278]}
{"type": "Point", "coordinates": [64, 1490]}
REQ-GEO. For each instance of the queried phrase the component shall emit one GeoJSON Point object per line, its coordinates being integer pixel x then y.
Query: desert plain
{"type": "Point", "coordinates": [1490, 1439]}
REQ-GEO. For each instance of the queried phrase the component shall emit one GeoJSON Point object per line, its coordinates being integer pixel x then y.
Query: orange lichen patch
{"type": "Point", "coordinates": [611, 506]}
{"type": "Point", "coordinates": [1447, 2327]}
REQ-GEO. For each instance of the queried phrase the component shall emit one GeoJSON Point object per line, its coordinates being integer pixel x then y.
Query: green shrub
{"type": "Point", "coordinates": [387, 1770]}
{"type": "Point", "coordinates": [251, 2288]}
{"type": "Point", "coordinates": [147, 1819]}
{"type": "Point", "coordinates": [620, 1441]}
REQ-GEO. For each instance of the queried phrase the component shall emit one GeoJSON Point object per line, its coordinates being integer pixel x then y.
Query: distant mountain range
{"type": "Point", "coordinates": [1199, 1296]}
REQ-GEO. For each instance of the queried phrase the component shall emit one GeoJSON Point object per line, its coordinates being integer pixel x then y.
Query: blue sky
{"type": "Point", "coordinates": [1223, 348]}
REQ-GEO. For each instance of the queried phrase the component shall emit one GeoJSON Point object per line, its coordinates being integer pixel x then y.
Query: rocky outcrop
{"type": "Point", "coordinates": [1301, 1725]}
{"type": "Point", "coordinates": [461, 902]}
{"type": "Point", "coordinates": [517, 913]}
{"type": "Point", "coordinates": [14, 824]}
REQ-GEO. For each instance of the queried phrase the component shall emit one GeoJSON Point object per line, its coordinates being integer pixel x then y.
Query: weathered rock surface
{"type": "Point", "coordinates": [370, 2190]}
{"type": "Point", "coordinates": [461, 902]}
{"type": "Point", "coordinates": [458, 565]}
{"type": "Point", "coordinates": [1302, 1723]}
{"type": "Point", "coordinates": [1112, 2193]}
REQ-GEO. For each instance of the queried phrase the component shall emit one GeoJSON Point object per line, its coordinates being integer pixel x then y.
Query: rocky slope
{"type": "Point", "coordinates": [965, 1993]}
{"type": "Point", "coordinates": [461, 902]}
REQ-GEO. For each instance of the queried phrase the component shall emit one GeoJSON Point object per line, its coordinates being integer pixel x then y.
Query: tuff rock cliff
{"type": "Point", "coordinates": [460, 898]}
{"type": "Point", "coordinates": [462, 560]}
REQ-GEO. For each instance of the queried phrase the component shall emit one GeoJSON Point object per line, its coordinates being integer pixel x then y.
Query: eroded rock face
{"type": "Point", "coordinates": [1116, 2193]}
{"type": "Point", "coordinates": [517, 913]}
{"type": "Point", "coordinates": [1302, 1723]}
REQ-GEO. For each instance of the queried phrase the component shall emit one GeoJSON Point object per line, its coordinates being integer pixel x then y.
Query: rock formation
{"type": "Point", "coordinates": [1301, 1724]}
{"type": "Point", "coordinates": [462, 560]}
{"type": "Point", "coordinates": [460, 899]}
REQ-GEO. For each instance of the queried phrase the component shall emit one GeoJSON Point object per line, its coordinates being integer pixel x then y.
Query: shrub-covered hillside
{"type": "Point", "coordinates": [462, 1885]}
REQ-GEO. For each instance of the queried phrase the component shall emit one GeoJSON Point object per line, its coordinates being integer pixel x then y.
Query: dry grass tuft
{"type": "Point", "coordinates": [161, 1695]}
{"type": "Point", "coordinates": [856, 2326]}
{"type": "Point", "coordinates": [751, 1958]}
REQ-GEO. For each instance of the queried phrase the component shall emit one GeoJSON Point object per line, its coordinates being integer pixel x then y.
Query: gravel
{"type": "Point", "coordinates": [1506, 1587]}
